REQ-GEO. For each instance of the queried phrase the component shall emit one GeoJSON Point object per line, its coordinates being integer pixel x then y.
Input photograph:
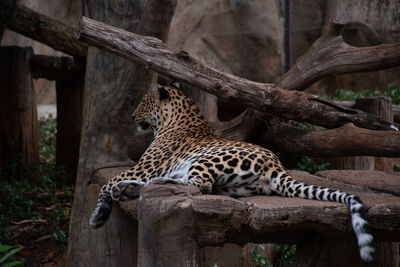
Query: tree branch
{"type": "Point", "coordinates": [330, 56]}
{"type": "Point", "coordinates": [346, 140]}
{"type": "Point", "coordinates": [154, 54]}
{"type": "Point", "coordinates": [53, 68]}
{"type": "Point", "coordinates": [46, 30]}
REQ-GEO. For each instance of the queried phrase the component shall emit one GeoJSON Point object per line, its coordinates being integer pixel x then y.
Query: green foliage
{"type": "Point", "coordinates": [304, 126]}
{"type": "Point", "coordinates": [284, 254]}
{"type": "Point", "coordinates": [19, 191]}
{"type": "Point", "coordinates": [47, 129]}
{"type": "Point", "coordinates": [392, 91]}
{"type": "Point", "coordinates": [7, 256]}
{"type": "Point", "coordinates": [257, 256]}
{"type": "Point", "coordinates": [396, 168]}
{"type": "Point", "coordinates": [307, 164]}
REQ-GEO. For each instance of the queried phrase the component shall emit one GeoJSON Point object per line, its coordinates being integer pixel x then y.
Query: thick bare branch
{"type": "Point", "coordinates": [53, 68]}
{"type": "Point", "coordinates": [330, 56]}
{"type": "Point", "coordinates": [347, 140]}
{"type": "Point", "coordinates": [154, 54]}
{"type": "Point", "coordinates": [351, 104]}
{"type": "Point", "coordinates": [46, 30]}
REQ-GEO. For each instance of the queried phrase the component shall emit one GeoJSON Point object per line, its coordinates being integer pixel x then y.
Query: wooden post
{"type": "Point", "coordinates": [382, 107]}
{"type": "Point", "coordinates": [69, 90]}
{"type": "Point", "coordinates": [318, 253]}
{"type": "Point", "coordinates": [166, 231]}
{"type": "Point", "coordinates": [18, 114]}
{"type": "Point", "coordinates": [69, 75]}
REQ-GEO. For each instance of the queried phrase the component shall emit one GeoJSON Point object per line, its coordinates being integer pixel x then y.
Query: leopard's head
{"type": "Point", "coordinates": [151, 110]}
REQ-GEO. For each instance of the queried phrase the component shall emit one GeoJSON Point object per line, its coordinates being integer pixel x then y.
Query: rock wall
{"type": "Point", "coordinates": [240, 37]}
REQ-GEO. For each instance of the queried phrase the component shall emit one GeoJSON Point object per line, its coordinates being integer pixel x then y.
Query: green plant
{"type": "Point", "coordinates": [47, 128]}
{"type": "Point", "coordinates": [392, 91]}
{"type": "Point", "coordinates": [257, 256]}
{"type": "Point", "coordinates": [6, 256]}
{"type": "Point", "coordinates": [396, 167]}
{"type": "Point", "coordinates": [284, 254]}
{"type": "Point", "coordinates": [27, 199]}
{"type": "Point", "coordinates": [308, 165]}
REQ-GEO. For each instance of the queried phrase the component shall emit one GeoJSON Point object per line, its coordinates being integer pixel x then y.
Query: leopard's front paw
{"type": "Point", "coordinates": [126, 190]}
{"type": "Point", "coordinates": [101, 213]}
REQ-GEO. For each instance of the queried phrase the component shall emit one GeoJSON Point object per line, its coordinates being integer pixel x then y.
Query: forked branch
{"type": "Point", "coordinates": [154, 54]}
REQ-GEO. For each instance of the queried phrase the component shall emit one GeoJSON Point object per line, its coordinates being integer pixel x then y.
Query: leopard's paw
{"type": "Point", "coordinates": [126, 190]}
{"type": "Point", "coordinates": [101, 213]}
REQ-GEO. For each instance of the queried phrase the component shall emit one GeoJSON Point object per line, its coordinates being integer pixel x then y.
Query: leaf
{"type": "Point", "coordinates": [4, 248]}
{"type": "Point", "coordinates": [13, 263]}
{"type": "Point", "coordinates": [9, 254]}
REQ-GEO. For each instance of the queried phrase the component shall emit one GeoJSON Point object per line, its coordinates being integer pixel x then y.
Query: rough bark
{"type": "Point", "coordinates": [381, 107]}
{"type": "Point", "coordinates": [46, 30]}
{"type": "Point", "coordinates": [152, 53]}
{"type": "Point", "coordinates": [220, 219]}
{"type": "Point", "coordinates": [330, 56]}
{"type": "Point", "coordinates": [113, 88]}
{"type": "Point", "coordinates": [333, 143]}
{"type": "Point", "coordinates": [18, 115]}
{"type": "Point", "coordinates": [7, 8]}
{"type": "Point", "coordinates": [352, 104]}
{"type": "Point", "coordinates": [53, 67]}
{"type": "Point", "coordinates": [117, 250]}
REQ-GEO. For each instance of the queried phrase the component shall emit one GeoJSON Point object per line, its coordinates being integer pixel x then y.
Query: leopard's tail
{"type": "Point", "coordinates": [287, 186]}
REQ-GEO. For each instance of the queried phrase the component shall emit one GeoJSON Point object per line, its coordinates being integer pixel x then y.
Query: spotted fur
{"type": "Point", "coordinates": [184, 151]}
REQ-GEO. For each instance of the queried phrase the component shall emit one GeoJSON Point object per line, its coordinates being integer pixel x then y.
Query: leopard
{"type": "Point", "coordinates": [185, 151]}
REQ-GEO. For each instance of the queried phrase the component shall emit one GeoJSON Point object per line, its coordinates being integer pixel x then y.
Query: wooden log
{"type": "Point", "coordinates": [332, 143]}
{"type": "Point", "coordinates": [120, 249]}
{"type": "Point", "coordinates": [69, 74]}
{"type": "Point", "coordinates": [46, 30]}
{"type": "Point", "coordinates": [54, 68]}
{"type": "Point", "coordinates": [152, 53]}
{"type": "Point", "coordinates": [330, 56]}
{"type": "Point", "coordinates": [167, 240]}
{"type": "Point", "coordinates": [69, 92]}
{"type": "Point", "coordinates": [352, 104]}
{"type": "Point", "coordinates": [113, 88]}
{"type": "Point", "coordinates": [18, 114]}
{"type": "Point", "coordinates": [222, 219]}
{"type": "Point", "coordinates": [7, 8]}
{"type": "Point", "coordinates": [382, 107]}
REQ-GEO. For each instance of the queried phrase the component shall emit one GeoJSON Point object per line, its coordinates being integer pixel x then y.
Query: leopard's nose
{"type": "Point", "coordinates": [133, 116]}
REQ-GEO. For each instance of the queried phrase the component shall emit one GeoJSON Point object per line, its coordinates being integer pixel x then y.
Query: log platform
{"type": "Point", "coordinates": [170, 224]}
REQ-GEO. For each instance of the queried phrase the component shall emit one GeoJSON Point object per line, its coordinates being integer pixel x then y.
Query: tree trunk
{"type": "Point", "coordinates": [113, 88]}
{"type": "Point", "coordinates": [18, 114]}
{"type": "Point", "coordinates": [338, 254]}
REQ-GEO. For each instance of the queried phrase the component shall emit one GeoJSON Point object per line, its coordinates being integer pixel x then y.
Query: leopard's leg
{"type": "Point", "coordinates": [165, 180]}
{"type": "Point", "coordinates": [199, 176]}
{"type": "Point", "coordinates": [120, 188]}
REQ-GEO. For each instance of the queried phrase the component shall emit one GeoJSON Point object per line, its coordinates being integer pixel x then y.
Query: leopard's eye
{"type": "Point", "coordinates": [144, 125]}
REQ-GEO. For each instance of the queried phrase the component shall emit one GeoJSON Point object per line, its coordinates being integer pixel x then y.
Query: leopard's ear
{"type": "Point", "coordinates": [175, 84]}
{"type": "Point", "coordinates": [163, 93]}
